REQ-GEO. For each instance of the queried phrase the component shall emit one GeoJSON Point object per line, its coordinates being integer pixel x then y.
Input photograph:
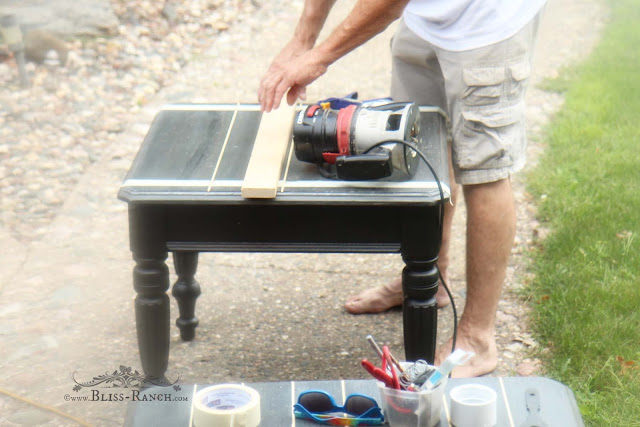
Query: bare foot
{"type": "Point", "coordinates": [484, 361]}
{"type": "Point", "coordinates": [382, 298]}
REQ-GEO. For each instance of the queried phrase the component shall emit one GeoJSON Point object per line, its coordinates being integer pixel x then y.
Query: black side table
{"type": "Point", "coordinates": [183, 192]}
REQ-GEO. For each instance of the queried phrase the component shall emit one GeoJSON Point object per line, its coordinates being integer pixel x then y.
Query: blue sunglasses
{"type": "Point", "coordinates": [319, 406]}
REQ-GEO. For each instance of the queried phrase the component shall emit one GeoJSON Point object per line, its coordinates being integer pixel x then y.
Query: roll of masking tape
{"type": "Point", "coordinates": [226, 405]}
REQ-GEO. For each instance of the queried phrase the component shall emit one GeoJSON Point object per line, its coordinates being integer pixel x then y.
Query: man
{"type": "Point", "coordinates": [472, 58]}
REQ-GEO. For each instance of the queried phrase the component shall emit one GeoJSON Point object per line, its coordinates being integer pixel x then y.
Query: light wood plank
{"type": "Point", "coordinates": [273, 137]}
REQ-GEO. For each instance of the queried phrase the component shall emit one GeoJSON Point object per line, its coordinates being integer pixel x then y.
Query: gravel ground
{"type": "Point", "coordinates": [70, 116]}
{"type": "Point", "coordinates": [66, 143]}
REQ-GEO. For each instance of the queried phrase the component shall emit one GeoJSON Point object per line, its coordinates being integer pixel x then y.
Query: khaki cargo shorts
{"type": "Point", "coordinates": [481, 89]}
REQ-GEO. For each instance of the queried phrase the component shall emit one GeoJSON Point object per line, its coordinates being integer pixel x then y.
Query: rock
{"type": "Point", "coordinates": [39, 44]}
{"type": "Point", "coordinates": [528, 368]}
{"type": "Point", "coordinates": [515, 347]}
{"type": "Point", "coordinates": [170, 13]}
{"type": "Point", "coordinates": [67, 17]}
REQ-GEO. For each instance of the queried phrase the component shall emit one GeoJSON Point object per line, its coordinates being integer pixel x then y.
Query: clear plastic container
{"type": "Point", "coordinates": [410, 408]}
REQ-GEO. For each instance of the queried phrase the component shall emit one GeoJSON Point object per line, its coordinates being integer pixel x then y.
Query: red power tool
{"type": "Point", "coordinates": [357, 139]}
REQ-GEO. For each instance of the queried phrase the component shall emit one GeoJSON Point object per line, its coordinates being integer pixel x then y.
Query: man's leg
{"type": "Point", "coordinates": [489, 142]}
{"type": "Point", "coordinates": [491, 223]}
{"type": "Point", "coordinates": [486, 107]}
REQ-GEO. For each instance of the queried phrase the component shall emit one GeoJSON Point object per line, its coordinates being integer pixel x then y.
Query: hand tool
{"type": "Point", "coordinates": [388, 364]}
{"type": "Point", "coordinates": [354, 140]}
{"type": "Point", "coordinates": [376, 348]}
{"type": "Point", "coordinates": [377, 373]}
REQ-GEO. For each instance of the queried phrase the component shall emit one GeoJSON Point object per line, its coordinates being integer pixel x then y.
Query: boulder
{"type": "Point", "coordinates": [64, 17]}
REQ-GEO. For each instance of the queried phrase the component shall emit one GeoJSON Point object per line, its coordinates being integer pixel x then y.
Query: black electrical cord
{"type": "Point", "coordinates": [455, 313]}
{"type": "Point", "coordinates": [426, 161]}
{"type": "Point", "coordinates": [441, 193]}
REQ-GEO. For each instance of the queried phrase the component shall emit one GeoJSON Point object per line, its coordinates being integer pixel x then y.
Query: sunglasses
{"type": "Point", "coordinates": [319, 406]}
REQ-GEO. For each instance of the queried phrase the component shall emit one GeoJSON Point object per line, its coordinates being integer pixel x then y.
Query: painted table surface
{"type": "Point", "coordinates": [200, 153]}
{"type": "Point", "coordinates": [557, 402]}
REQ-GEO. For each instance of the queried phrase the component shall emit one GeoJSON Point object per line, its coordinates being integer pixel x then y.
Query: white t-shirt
{"type": "Point", "coordinates": [458, 25]}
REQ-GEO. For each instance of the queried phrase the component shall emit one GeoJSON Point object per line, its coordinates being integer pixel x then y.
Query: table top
{"type": "Point", "coordinates": [199, 153]}
{"type": "Point", "coordinates": [557, 405]}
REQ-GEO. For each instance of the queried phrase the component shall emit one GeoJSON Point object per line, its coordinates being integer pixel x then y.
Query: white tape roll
{"type": "Point", "coordinates": [226, 405]}
{"type": "Point", "coordinates": [473, 405]}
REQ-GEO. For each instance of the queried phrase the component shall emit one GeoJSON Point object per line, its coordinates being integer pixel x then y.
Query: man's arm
{"type": "Point", "coordinates": [367, 19]}
{"type": "Point", "coordinates": [314, 15]}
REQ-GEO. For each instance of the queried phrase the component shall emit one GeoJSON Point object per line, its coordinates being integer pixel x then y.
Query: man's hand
{"type": "Point", "coordinates": [298, 64]}
{"type": "Point", "coordinates": [290, 73]}
{"type": "Point", "coordinates": [287, 70]}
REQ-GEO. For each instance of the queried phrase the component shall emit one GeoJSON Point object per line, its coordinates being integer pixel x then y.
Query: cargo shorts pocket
{"type": "Point", "coordinates": [483, 85]}
{"type": "Point", "coordinates": [519, 73]}
{"type": "Point", "coordinates": [486, 85]}
{"type": "Point", "coordinates": [490, 138]}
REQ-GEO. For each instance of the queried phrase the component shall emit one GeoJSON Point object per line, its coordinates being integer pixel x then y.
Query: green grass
{"type": "Point", "coordinates": [586, 291]}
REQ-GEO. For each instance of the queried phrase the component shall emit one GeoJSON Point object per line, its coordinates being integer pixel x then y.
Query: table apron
{"type": "Point", "coordinates": [284, 247]}
{"type": "Point", "coordinates": [298, 228]}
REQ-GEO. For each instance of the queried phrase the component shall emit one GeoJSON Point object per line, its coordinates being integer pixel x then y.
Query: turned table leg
{"type": "Point", "coordinates": [151, 282]}
{"type": "Point", "coordinates": [186, 290]}
{"type": "Point", "coordinates": [422, 234]}
{"type": "Point", "coordinates": [420, 310]}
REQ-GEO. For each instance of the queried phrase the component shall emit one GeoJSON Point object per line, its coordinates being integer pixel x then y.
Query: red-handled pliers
{"type": "Point", "coordinates": [377, 373]}
{"type": "Point", "coordinates": [388, 364]}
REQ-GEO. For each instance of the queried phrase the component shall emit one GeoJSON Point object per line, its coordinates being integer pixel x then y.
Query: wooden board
{"type": "Point", "coordinates": [263, 171]}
